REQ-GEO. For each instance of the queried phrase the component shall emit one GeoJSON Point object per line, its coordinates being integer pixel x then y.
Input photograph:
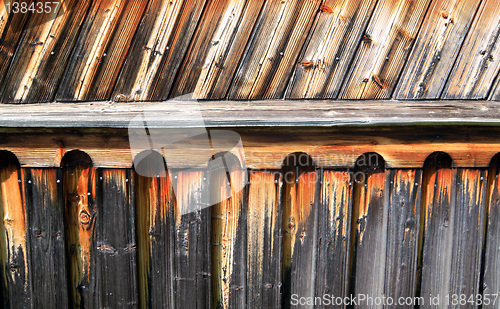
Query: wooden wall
{"type": "Point", "coordinates": [253, 49]}
{"type": "Point", "coordinates": [79, 236]}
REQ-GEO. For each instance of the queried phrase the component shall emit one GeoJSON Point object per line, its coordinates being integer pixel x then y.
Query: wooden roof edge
{"type": "Point", "coordinates": [282, 113]}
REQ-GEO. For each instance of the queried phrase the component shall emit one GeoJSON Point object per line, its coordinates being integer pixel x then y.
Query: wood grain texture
{"type": "Point", "coordinates": [334, 227]}
{"type": "Point", "coordinates": [436, 48]}
{"type": "Point", "coordinates": [384, 49]}
{"type": "Point", "coordinates": [100, 50]}
{"type": "Point", "coordinates": [279, 34]}
{"type": "Point", "coordinates": [300, 226]}
{"type": "Point", "coordinates": [217, 48]}
{"type": "Point", "coordinates": [43, 53]}
{"type": "Point", "coordinates": [327, 53]}
{"type": "Point", "coordinates": [11, 28]}
{"type": "Point", "coordinates": [491, 272]}
{"type": "Point", "coordinates": [264, 240]}
{"type": "Point", "coordinates": [80, 197]}
{"type": "Point", "coordinates": [478, 62]}
{"type": "Point", "coordinates": [157, 50]}
{"type": "Point", "coordinates": [45, 215]}
{"type": "Point", "coordinates": [229, 244]}
{"type": "Point", "coordinates": [115, 240]}
{"type": "Point", "coordinates": [15, 256]}
{"type": "Point", "coordinates": [454, 232]}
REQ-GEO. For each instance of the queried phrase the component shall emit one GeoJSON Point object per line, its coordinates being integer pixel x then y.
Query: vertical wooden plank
{"type": "Point", "coordinates": [299, 232]}
{"type": "Point", "coordinates": [384, 49]}
{"type": "Point", "coordinates": [11, 28]}
{"type": "Point", "coordinates": [43, 53]}
{"type": "Point", "coordinates": [45, 210]}
{"type": "Point", "coordinates": [192, 264]}
{"type": "Point", "coordinates": [437, 45]}
{"type": "Point", "coordinates": [115, 263]}
{"type": "Point", "coordinates": [228, 238]}
{"type": "Point", "coordinates": [158, 48]}
{"type": "Point", "coordinates": [79, 187]}
{"type": "Point", "coordinates": [491, 272]}
{"type": "Point", "coordinates": [217, 48]}
{"type": "Point", "coordinates": [16, 271]}
{"type": "Point", "coordinates": [155, 230]}
{"type": "Point", "coordinates": [403, 228]}
{"type": "Point", "coordinates": [478, 62]}
{"type": "Point", "coordinates": [370, 219]}
{"type": "Point", "coordinates": [334, 227]}
{"type": "Point", "coordinates": [100, 50]}
{"type": "Point", "coordinates": [334, 38]}
{"type": "Point", "coordinates": [264, 240]}
{"type": "Point", "coordinates": [280, 33]}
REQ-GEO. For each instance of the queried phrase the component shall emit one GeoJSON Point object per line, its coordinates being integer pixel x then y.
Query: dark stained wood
{"type": "Point", "coordinates": [491, 270]}
{"type": "Point", "coordinates": [115, 241]}
{"type": "Point", "coordinates": [327, 53]}
{"type": "Point", "coordinates": [14, 242]}
{"type": "Point", "coordinates": [43, 52]}
{"type": "Point", "coordinates": [267, 64]}
{"type": "Point", "coordinates": [264, 240]}
{"type": "Point", "coordinates": [300, 225]}
{"type": "Point", "coordinates": [100, 50]}
{"type": "Point", "coordinates": [384, 49]}
{"type": "Point", "coordinates": [157, 50]}
{"type": "Point", "coordinates": [11, 28]}
{"type": "Point", "coordinates": [334, 229]}
{"type": "Point", "coordinates": [45, 216]}
{"type": "Point", "coordinates": [478, 62]}
{"type": "Point", "coordinates": [216, 49]}
{"type": "Point", "coordinates": [403, 228]}
{"type": "Point", "coordinates": [79, 188]}
{"type": "Point", "coordinates": [437, 45]}
{"type": "Point", "coordinates": [229, 231]}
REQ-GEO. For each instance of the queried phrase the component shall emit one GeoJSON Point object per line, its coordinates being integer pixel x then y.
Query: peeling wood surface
{"type": "Point", "coordinates": [157, 50]}
{"type": "Point", "coordinates": [100, 50]}
{"type": "Point", "coordinates": [334, 38]}
{"type": "Point", "coordinates": [264, 243]}
{"type": "Point", "coordinates": [384, 48]}
{"type": "Point", "coordinates": [45, 216]}
{"type": "Point", "coordinates": [217, 48]}
{"type": "Point", "coordinates": [42, 54]}
{"type": "Point", "coordinates": [478, 62]}
{"type": "Point", "coordinates": [275, 44]}
{"type": "Point", "coordinates": [436, 48]}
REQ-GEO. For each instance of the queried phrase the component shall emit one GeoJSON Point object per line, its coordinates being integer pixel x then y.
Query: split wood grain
{"type": "Point", "coordinates": [45, 216]}
{"type": "Point", "coordinates": [217, 48]}
{"type": "Point", "coordinates": [100, 50]}
{"type": "Point", "coordinates": [384, 49]}
{"type": "Point", "coordinates": [276, 42]}
{"type": "Point", "coordinates": [47, 42]}
{"type": "Point", "coordinates": [300, 226]}
{"type": "Point", "coordinates": [11, 29]}
{"type": "Point", "coordinates": [478, 62]}
{"type": "Point", "coordinates": [80, 197]}
{"type": "Point", "coordinates": [157, 50]}
{"type": "Point", "coordinates": [436, 48]}
{"type": "Point", "coordinates": [327, 53]}
{"type": "Point", "coordinates": [264, 240]}
{"type": "Point", "coordinates": [334, 229]}
{"type": "Point", "coordinates": [15, 256]}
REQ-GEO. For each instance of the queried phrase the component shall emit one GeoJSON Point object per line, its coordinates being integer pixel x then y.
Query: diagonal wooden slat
{"type": "Point", "coordinates": [278, 37]}
{"type": "Point", "coordinates": [100, 50]}
{"type": "Point", "coordinates": [327, 53]}
{"type": "Point", "coordinates": [384, 49]}
{"type": "Point", "coordinates": [157, 50]}
{"type": "Point", "coordinates": [438, 44]}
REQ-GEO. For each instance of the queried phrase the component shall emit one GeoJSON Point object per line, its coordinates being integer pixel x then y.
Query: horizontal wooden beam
{"type": "Point", "coordinates": [275, 113]}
